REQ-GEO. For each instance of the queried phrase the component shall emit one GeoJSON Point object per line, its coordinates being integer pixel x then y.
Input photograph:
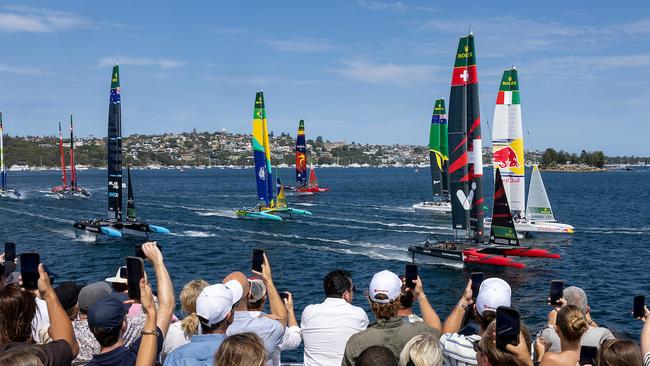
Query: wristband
{"type": "Point", "coordinates": [462, 305]}
{"type": "Point", "coordinates": [420, 298]}
{"type": "Point", "coordinates": [150, 332]}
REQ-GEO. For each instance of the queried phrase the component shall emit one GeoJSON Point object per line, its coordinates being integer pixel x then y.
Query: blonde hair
{"type": "Point", "coordinates": [422, 350]}
{"type": "Point", "coordinates": [191, 291]}
{"type": "Point", "coordinates": [384, 311]}
{"type": "Point", "coordinates": [571, 322]}
{"type": "Point", "coordinates": [245, 349]}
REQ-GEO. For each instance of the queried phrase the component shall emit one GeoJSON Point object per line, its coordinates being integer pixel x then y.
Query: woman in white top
{"type": "Point", "coordinates": [179, 333]}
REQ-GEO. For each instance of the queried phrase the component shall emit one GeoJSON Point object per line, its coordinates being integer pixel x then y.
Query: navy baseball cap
{"type": "Point", "coordinates": [107, 313]}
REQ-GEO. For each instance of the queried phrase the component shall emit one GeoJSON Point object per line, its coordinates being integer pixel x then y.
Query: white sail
{"type": "Point", "coordinates": [508, 141]}
{"type": "Point", "coordinates": [539, 207]}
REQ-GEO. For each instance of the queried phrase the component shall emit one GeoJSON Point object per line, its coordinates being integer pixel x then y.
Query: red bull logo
{"type": "Point", "coordinates": [506, 158]}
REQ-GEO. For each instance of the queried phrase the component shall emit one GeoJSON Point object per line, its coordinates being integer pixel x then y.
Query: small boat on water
{"type": "Point", "coordinates": [465, 182]}
{"type": "Point", "coordinates": [271, 203]}
{"type": "Point", "coordinates": [439, 162]}
{"type": "Point", "coordinates": [508, 156]}
{"type": "Point", "coordinates": [114, 226]}
{"type": "Point", "coordinates": [4, 191]}
{"type": "Point", "coordinates": [303, 186]}
{"type": "Point", "coordinates": [65, 190]}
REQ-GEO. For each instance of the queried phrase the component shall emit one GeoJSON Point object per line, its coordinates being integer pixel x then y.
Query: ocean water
{"type": "Point", "coordinates": [365, 224]}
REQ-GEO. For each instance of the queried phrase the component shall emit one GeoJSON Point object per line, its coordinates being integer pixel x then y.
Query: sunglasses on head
{"type": "Point", "coordinates": [477, 346]}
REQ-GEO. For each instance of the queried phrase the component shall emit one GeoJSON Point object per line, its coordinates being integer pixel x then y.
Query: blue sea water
{"type": "Point", "coordinates": [365, 224]}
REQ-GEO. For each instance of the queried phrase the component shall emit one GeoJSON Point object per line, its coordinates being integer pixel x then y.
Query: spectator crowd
{"type": "Point", "coordinates": [245, 321]}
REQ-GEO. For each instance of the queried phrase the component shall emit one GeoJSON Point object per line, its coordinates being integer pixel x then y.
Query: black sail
{"type": "Point", "coordinates": [114, 149]}
{"type": "Point", "coordinates": [130, 203]}
{"type": "Point", "coordinates": [503, 230]}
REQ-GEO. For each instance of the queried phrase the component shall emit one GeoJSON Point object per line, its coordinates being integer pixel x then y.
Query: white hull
{"type": "Point", "coordinates": [11, 193]}
{"type": "Point", "coordinates": [433, 207]}
{"type": "Point", "coordinates": [526, 226]}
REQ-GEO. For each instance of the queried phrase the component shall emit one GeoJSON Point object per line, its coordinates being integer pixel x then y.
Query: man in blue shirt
{"type": "Point", "coordinates": [215, 309]}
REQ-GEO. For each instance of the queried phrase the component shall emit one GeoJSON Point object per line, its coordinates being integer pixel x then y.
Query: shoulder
{"type": "Point", "coordinates": [59, 352]}
{"type": "Point", "coordinates": [459, 347]}
{"type": "Point", "coordinates": [421, 328]}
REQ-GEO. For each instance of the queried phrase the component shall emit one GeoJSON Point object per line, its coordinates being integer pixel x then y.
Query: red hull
{"type": "Point", "coordinates": [472, 256]}
{"type": "Point", "coordinates": [312, 189]}
{"type": "Point", "coordinates": [528, 252]}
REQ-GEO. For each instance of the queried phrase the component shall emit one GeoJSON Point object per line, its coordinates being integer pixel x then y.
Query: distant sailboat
{"type": "Point", "coordinates": [4, 191]}
{"type": "Point", "coordinates": [465, 181]}
{"type": "Point", "coordinates": [508, 156]}
{"type": "Point", "coordinates": [268, 207]}
{"type": "Point", "coordinates": [438, 160]}
{"type": "Point", "coordinates": [304, 186]}
{"type": "Point", "coordinates": [114, 226]}
{"type": "Point", "coordinates": [73, 189]}
{"type": "Point", "coordinates": [538, 209]}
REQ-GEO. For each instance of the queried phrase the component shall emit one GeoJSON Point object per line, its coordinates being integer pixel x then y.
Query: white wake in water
{"type": "Point", "coordinates": [220, 213]}
{"type": "Point", "coordinates": [195, 234]}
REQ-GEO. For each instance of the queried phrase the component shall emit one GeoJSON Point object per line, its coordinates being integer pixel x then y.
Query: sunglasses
{"type": "Point", "coordinates": [477, 346]}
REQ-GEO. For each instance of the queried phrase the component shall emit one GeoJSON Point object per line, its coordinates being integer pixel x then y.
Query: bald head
{"type": "Point", "coordinates": [243, 281]}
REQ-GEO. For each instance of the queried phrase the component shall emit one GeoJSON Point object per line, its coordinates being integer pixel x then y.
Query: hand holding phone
{"type": "Point", "coordinates": [284, 295]}
{"type": "Point", "coordinates": [508, 327]}
{"type": "Point", "coordinates": [556, 293]}
{"type": "Point", "coordinates": [10, 251]}
{"type": "Point", "coordinates": [588, 355]}
{"type": "Point", "coordinates": [140, 253]}
{"type": "Point", "coordinates": [411, 275]}
{"type": "Point", "coordinates": [258, 260]}
{"type": "Point", "coordinates": [29, 270]}
{"type": "Point", "coordinates": [134, 273]}
{"type": "Point", "coordinates": [477, 280]}
{"type": "Point", "coordinates": [639, 305]}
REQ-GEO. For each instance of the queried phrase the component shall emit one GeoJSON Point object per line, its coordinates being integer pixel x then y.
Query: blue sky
{"type": "Point", "coordinates": [359, 70]}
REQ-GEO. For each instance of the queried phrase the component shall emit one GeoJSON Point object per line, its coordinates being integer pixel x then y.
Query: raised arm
{"type": "Point", "coordinates": [645, 333]}
{"type": "Point", "coordinates": [148, 344]}
{"type": "Point", "coordinates": [429, 315]}
{"type": "Point", "coordinates": [455, 319]}
{"type": "Point", "coordinates": [60, 324]}
{"type": "Point", "coordinates": [275, 302]}
{"type": "Point", "coordinates": [166, 299]}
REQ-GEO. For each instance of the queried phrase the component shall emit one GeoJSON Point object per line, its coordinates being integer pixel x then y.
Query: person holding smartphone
{"type": "Point", "coordinates": [570, 326]}
{"type": "Point", "coordinates": [63, 349]}
{"type": "Point", "coordinates": [645, 336]}
{"type": "Point", "coordinates": [489, 354]}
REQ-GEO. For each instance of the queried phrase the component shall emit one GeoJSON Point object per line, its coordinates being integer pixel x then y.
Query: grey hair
{"type": "Point", "coordinates": [577, 297]}
{"type": "Point", "coordinates": [422, 350]}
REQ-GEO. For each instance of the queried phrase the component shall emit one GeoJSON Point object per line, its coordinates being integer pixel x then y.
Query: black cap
{"type": "Point", "coordinates": [68, 293]}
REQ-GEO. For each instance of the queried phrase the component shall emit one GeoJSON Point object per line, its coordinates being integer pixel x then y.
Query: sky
{"type": "Point", "coordinates": [356, 70]}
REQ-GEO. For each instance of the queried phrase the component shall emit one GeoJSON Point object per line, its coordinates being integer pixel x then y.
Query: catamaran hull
{"type": "Point", "coordinates": [465, 255]}
{"type": "Point", "coordinates": [536, 227]}
{"type": "Point", "coordinates": [117, 230]}
{"type": "Point", "coordinates": [433, 207]}
{"type": "Point", "coordinates": [11, 193]}
{"type": "Point", "coordinates": [271, 215]}
{"type": "Point", "coordinates": [60, 193]}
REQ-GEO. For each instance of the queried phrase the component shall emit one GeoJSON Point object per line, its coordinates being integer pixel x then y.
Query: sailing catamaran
{"type": "Point", "coordinates": [508, 156]}
{"type": "Point", "coordinates": [4, 191]}
{"type": "Point", "coordinates": [438, 159]}
{"type": "Point", "coordinates": [270, 204]}
{"type": "Point", "coordinates": [114, 226]}
{"type": "Point", "coordinates": [302, 185]}
{"type": "Point", "coordinates": [73, 189]}
{"type": "Point", "coordinates": [465, 181]}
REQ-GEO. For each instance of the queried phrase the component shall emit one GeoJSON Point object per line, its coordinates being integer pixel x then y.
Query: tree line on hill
{"type": "Point", "coordinates": [551, 158]}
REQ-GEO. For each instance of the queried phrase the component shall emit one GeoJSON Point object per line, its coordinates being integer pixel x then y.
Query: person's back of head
{"type": "Point", "coordinates": [384, 293]}
{"type": "Point", "coordinates": [337, 282]}
{"type": "Point", "coordinates": [376, 356]}
{"type": "Point", "coordinates": [257, 294]}
{"type": "Point", "coordinates": [244, 349]}
{"type": "Point", "coordinates": [107, 320]}
{"type": "Point", "coordinates": [421, 350]}
{"type": "Point", "coordinates": [17, 310]}
{"type": "Point", "coordinates": [487, 348]}
{"type": "Point", "coordinates": [577, 297]}
{"type": "Point", "coordinates": [406, 297]}
{"type": "Point", "coordinates": [571, 323]}
{"type": "Point", "coordinates": [191, 290]}
{"type": "Point", "coordinates": [493, 292]}
{"type": "Point", "coordinates": [619, 352]}
{"type": "Point", "coordinates": [23, 356]}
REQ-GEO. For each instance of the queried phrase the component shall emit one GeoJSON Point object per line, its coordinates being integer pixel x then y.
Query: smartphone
{"type": "Point", "coordinates": [588, 355]}
{"type": "Point", "coordinates": [557, 287]}
{"type": "Point", "coordinates": [140, 253]}
{"type": "Point", "coordinates": [29, 270]}
{"type": "Point", "coordinates": [477, 279]}
{"type": "Point", "coordinates": [411, 275]}
{"type": "Point", "coordinates": [284, 295]}
{"type": "Point", "coordinates": [134, 273]}
{"type": "Point", "coordinates": [258, 260]}
{"type": "Point", "coordinates": [508, 327]}
{"type": "Point", "coordinates": [10, 251]}
{"type": "Point", "coordinates": [639, 303]}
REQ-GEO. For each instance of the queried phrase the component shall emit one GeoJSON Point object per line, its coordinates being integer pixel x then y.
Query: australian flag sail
{"type": "Point", "coordinates": [114, 149]}
{"type": "Point", "coordinates": [262, 154]}
{"type": "Point", "coordinates": [301, 156]}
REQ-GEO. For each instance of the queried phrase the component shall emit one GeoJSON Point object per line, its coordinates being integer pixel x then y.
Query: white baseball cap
{"type": "Point", "coordinates": [120, 276]}
{"type": "Point", "coordinates": [216, 301]}
{"type": "Point", "coordinates": [387, 283]}
{"type": "Point", "coordinates": [494, 292]}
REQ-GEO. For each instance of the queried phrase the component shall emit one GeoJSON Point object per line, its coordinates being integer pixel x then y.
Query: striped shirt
{"type": "Point", "coordinates": [458, 349]}
{"type": "Point", "coordinates": [646, 359]}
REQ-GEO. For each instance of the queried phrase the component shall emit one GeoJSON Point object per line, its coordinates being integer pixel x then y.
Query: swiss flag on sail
{"type": "Point", "coordinates": [464, 75]}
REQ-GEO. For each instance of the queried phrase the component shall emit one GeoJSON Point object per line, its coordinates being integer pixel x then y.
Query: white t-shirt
{"type": "Point", "coordinates": [326, 328]}
{"type": "Point", "coordinates": [41, 320]}
{"type": "Point", "coordinates": [290, 340]}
